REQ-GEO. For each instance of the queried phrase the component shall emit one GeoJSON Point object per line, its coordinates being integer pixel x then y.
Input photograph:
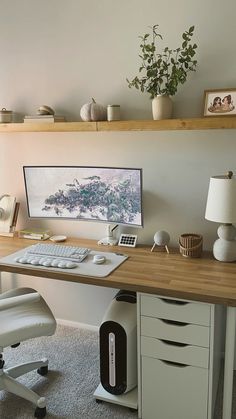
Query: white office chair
{"type": "Point", "coordinates": [23, 315]}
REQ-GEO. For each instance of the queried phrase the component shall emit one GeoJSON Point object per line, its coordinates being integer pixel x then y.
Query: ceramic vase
{"type": "Point", "coordinates": [162, 107]}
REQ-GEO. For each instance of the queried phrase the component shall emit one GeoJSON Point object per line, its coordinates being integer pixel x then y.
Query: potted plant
{"type": "Point", "coordinates": [162, 72]}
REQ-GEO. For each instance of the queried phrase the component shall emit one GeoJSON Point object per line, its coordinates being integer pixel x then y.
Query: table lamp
{"type": "Point", "coordinates": [221, 208]}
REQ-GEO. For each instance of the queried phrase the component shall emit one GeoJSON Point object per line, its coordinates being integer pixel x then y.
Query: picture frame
{"type": "Point", "coordinates": [220, 102]}
{"type": "Point", "coordinates": [112, 195]}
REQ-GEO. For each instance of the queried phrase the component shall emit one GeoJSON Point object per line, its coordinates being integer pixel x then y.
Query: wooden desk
{"type": "Point", "coordinates": [203, 279]}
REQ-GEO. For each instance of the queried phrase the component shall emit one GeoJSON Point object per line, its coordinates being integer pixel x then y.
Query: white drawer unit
{"type": "Point", "coordinates": [172, 351]}
{"type": "Point", "coordinates": [175, 331]}
{"type": "Point", "coordinates": [181, 392]}
{"type": "Point", "coordinates": [179, 310]}
{"type": "Point", "coordinates": [179, 353]}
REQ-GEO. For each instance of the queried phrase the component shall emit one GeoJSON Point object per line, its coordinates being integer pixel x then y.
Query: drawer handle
{"type": "Point", "coordinates": [174, 322]}
{"type": "Point", "coordinates": [174, 364]}
{"type": "Point", "coordinates": [175, 302]}
{"type": "Point", "coordinates": [171, 343]}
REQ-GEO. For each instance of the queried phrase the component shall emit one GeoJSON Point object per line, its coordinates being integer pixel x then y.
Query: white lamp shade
{"type": "Point", "coordinates": [221, 200]}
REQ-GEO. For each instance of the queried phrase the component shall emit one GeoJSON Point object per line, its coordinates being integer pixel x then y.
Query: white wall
{"type": "Point", "coordinates": [63, 53]}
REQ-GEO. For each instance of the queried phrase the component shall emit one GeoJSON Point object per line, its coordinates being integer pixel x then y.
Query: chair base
{"type": "Point", "coordinates": [8, 382]}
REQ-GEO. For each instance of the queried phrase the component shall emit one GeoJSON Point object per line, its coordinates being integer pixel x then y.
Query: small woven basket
{"type": "Point", "coordinates": [190, 245]}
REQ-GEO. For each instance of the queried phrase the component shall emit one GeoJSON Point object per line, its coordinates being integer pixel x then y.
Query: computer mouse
{"type": "Point", "coordinates": [99, 259]}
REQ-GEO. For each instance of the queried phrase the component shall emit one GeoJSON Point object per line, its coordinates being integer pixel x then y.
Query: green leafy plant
{"type": "Point", "coordinates": [161, 73]}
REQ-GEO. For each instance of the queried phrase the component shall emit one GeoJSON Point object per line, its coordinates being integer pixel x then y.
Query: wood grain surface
{"type": "Point", "coordinates": [213, 122]}
{"type": "Point", "coordinates": [201, 279]}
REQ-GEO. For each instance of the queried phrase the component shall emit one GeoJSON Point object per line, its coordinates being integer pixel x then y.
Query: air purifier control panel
{"type": "Point", "coordinates": [112, 360]}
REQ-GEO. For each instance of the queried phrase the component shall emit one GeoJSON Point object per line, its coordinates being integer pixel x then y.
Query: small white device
{"type": "Point", "coordinates": [128, 240]}
{"type": "Point", "coordinates": [161, 238]}
{"type": "Point", "coordinates": [98, 259]}
{"type": "Point", "coordinates": [58, 239]}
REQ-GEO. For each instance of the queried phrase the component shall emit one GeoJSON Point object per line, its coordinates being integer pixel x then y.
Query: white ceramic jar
{"type": "Point", "coordinates": [5, 116]}
{"type": "Point", "coordinates": [162, 107]}
{"type": "Point", "coordinates": [113, 112]}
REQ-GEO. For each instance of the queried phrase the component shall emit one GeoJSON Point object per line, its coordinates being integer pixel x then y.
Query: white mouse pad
{"type": "Point", "coordinates": [84, 268]}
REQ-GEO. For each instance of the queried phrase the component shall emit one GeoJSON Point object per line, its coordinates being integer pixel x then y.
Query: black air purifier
{"type": "Point", "coordinates": [118, 344]}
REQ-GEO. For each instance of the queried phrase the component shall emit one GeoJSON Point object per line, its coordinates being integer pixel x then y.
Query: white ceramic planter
{"type": "Point", "coordinates": [162, 107]}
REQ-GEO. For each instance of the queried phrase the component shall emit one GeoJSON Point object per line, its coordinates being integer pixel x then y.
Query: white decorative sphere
{"type": "Point", "coordinates": [161, 238]}
{"type": "Point", "coordinates": [224, 250]}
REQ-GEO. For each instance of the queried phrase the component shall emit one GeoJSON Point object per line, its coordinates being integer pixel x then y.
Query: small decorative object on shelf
{"type": "Point", "coordinates": [161, 238]}
{"type": "Point", "coordinates": [44, 118]}
{"type": "Point", "coordinates": [190, 245]}
{"type": "Point", "coordinates": [93, 112]}
{"type": "Point", "coordinates": [163, 72]}
{"type": "Point", "coordinates": [220, 102]}
{"type": "Point", "coordinates": [45, 110]}
{"type": "Point", "coordinates": [44, 114]}
{"type": "Point", "coordinates": [113, 112]}
{"type": "Point", "coordinates": [5, 116]}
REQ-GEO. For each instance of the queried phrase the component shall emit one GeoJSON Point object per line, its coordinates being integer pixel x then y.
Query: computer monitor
{"type": "Point", "coordinates": [103, 194]}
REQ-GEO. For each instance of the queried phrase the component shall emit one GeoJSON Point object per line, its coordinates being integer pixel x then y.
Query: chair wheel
{"type": "Point", "coordinates": [40, 412]}
{"type": "Point", "coordinates": [15, 345]}
{"type": "Point", "coordinates": [99, 401]}
{"type": "Point", "coordinates": [43, 370]}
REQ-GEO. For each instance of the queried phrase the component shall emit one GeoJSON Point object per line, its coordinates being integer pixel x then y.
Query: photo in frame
{"type": "Point", "coordinates": [220, 102]}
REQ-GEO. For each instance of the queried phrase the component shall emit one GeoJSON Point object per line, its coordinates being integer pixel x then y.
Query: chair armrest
{"type": "Point", "coordinates": [18, 300]}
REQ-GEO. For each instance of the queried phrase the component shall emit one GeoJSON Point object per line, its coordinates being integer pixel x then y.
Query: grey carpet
{"type": "Point", "coordinates": [71, 381]}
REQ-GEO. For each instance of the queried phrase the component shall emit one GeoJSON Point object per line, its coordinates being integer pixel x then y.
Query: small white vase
{"type": "Point", "coordinates": [162, 107]}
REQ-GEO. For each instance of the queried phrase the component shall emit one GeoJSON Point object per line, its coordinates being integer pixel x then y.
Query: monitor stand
{"type": "Point", "coordinates": [109, 239]}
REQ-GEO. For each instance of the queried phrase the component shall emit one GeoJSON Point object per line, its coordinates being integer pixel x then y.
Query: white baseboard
{"type": "Point", "coordinates": [77, 325]}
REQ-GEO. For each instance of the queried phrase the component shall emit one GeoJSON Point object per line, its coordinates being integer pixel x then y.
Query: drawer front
{"type": "Point", "coordinates": [173, 390]}
{"type": "Point", "coordinates": [178, 332]}
{"type": "Point", "coordinates": [170, 351]}
{"type": "Point", "coordinates": [180, 310]}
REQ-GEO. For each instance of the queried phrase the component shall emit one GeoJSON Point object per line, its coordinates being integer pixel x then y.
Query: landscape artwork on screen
{"type": "Point", "coordinates": [111, 195]}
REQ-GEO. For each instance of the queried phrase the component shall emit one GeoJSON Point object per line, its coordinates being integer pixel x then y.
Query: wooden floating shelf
{"type": "Point", "coordinates": [169, 124]}
{"type": "Point", "coordinates": [132, 125]}
{"type": "Point", "coordinates": [48, 127]}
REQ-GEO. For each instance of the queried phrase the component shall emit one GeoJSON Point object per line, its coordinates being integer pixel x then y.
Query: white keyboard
{"type": "Point", "coordinates": [73, 253]}
{"type": "Point", "coordinates": [53, 255]}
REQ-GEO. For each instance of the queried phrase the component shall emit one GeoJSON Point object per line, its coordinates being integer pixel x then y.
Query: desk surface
{"type": "Point", "coordinates": [201, 279]}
